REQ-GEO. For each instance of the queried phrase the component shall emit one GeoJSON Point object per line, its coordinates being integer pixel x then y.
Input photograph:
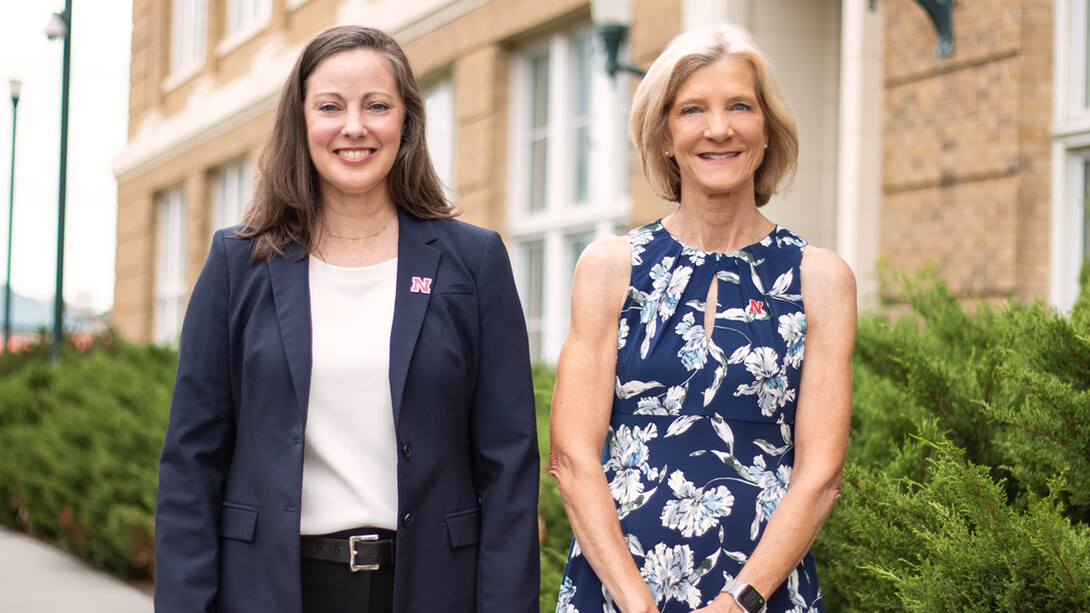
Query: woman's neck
{"type": "Point", "coordinates": [718, 225]}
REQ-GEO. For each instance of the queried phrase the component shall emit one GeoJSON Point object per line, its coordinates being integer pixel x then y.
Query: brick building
{"type": "Point", "coordinates": [972, 161]}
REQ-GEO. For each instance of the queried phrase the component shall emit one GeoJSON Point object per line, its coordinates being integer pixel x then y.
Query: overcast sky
{"type": "Point", "coordinates": [98, 112]}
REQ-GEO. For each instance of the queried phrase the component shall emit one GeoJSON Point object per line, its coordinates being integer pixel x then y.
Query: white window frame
{"type": "Point", "coordinates": [188, 39]}
{"type": "Point", "coordinates": [231, 192]}
{"type": "Point", "coordinates": [244, 20]}
{"type": "Point", "coordinates": [1070, 149]}
{"type": "Point", "coordinates": [607, 203]}
{"type": "Point", "coordinates": [170, 256]}
{"type": "Point", "coordinates": [441, 132]}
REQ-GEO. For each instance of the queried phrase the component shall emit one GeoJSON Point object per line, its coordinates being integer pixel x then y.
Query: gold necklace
{"type": "Point", "coordinates": [356, 238]}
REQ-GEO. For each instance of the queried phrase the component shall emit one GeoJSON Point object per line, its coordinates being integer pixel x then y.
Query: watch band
{"type": "Point", "coordinates": [746, 596]}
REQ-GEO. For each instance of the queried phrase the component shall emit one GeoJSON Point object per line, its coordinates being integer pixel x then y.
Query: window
{"type": "Point", "coordinates": [244, 20]}
{"type": "Point", "coordinates": [230, 194]}
{"type": "Point", "coordinates": [170, 283]}
{"type": "Point", "coordinates": [567, 170]}
{"type": "Point", "coordinates": [247, 15]}
{"type": "Point", "coordinates": [1070, 219]}
{"type": "Point", "coordinates": [187, 36]}
{"type": "Point", "coordinates": [440, 132]}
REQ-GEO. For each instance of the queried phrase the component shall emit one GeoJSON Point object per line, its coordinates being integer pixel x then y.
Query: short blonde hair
{"type": "Point", "coordinates": [655, 95]}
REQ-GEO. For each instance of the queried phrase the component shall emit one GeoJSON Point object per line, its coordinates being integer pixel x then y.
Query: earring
{"type": "Point", "coordinates": [667, 153]}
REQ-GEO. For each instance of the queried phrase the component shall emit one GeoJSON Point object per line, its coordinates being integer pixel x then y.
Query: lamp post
{"type": "Point", "coordinates": [16, 89]}
{"type": "Point", "coordinates": [613, 19]}
{"type": "Point", "coordinates": [60, 26]}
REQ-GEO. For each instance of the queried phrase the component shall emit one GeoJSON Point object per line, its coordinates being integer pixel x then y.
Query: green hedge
{"type": "Point", "coordinates": [964, 488]}
{"type": "Point", "coordinates": [79, 448]}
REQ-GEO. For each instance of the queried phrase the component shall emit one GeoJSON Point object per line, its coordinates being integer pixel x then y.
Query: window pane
{"type": "Point", "coordinates": [581, 159]}
{"type": "Point", "coordinates": [439, 108]}
{"type": "Point", "coordinates": [187, 34]}
{"type": "Point", "coordinates": [1086, 209]}
{"type": "Point", "coordinates": [533, 299]}
{"type": "Point", "coordinates": [582, 57]}
{"type": "Point", "coordinates": [539, 132]}
{"type": "Point", "coordinates": [231, 192]}
{"type": "Point", "coordinates": [245, 14]}
{"type": "Point", "coordinates": [539, 87]}
{"type": "Point", "coordinates": [534, 256]}
{"type": "Point", "coordinates": [170, 285]}
{"type": "Point", "coordinates": [1086, 60]}
{"type": "Point", "coordinates": [539, 168]}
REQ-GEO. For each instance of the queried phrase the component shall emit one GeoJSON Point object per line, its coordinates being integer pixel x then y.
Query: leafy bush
{"type": "Point", "coordinates": [555, 530]}
{"type": "Point", "coordinates": [964, 489]}
{"type": "Point", "coordinates": [79, 448]}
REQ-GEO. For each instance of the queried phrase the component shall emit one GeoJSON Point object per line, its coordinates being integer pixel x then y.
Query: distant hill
{"type": "Point", "coordinates": [30, 315]}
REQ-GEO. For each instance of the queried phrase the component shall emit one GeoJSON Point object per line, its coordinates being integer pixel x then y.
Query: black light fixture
{"type": "Point", "coordinates": [16, 89]}
{"type": "Point", "coordinates": [613, 18]}
{"type": "Point", "coordinates": [941, 13]}
{"type": "Point", "coordinates": [60, 26]}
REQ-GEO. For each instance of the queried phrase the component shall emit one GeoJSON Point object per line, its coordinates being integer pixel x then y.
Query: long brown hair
{"type": "Point", "coordinates": [287, 198]}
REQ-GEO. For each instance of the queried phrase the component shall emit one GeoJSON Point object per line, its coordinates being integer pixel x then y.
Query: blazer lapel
{"type": "Point", "coordinates": [290, 280]}
{"type": "Point", "coordinates": [417, 263]}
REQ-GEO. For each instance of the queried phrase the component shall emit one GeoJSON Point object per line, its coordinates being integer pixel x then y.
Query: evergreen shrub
{"type": "Point", "coordinates": [79, 448]}
{"type": "Point", "coordinates": [967, 463]}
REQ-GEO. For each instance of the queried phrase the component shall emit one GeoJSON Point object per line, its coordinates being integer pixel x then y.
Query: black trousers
{"type": "Point", "coordinates": [332, 587]}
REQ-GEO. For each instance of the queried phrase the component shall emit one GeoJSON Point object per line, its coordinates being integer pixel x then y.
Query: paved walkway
{"type": "Point", "coordinates": [37, 578]}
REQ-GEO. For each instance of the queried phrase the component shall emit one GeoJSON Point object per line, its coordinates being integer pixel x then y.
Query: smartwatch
{"type": "Point", "coordinates": [746, 596]}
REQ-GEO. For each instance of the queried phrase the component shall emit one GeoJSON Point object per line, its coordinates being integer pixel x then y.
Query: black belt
{"type": "Point", "coordinates": [361, 551]}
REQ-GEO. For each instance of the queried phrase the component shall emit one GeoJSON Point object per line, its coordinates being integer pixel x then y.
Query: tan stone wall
{"type": "Point", "coordinates": [966, 147]}
{"type": "Point", "coordinates": [135, 256]}
{"type": "Point", "coordinates": [656, 22]}
{"type": "Point", "coordinates": [146, 68]}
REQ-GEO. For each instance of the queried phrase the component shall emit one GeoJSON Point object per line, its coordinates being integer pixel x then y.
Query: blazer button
{"type": "Point", "coordinates": [407, 520]}
{"type": "Point", "coordinates": [407, 450]}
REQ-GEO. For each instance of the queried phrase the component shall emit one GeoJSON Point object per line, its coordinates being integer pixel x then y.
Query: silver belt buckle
{"type": "Point", "coordinates": [352, 540]}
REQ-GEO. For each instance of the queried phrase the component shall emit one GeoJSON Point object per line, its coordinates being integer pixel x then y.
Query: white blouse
{"type": "Point", "coordinates": [350, 460]}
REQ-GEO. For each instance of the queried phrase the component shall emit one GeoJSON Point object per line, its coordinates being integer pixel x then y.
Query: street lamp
{"type": "Point", "coordinates": [16, 89]}
{"type": "Point", "coordinates": [613, 19]}
{"type": "Point", "coordinates": [60, 26]}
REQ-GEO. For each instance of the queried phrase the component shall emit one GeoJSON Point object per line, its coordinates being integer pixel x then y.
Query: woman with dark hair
{"type": "Point", "coordinates": [352, 427]}
{"type": "Point", "coordinates": [723, 447]}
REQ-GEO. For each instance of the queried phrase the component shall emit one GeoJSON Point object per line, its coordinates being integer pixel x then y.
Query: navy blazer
{"type": "Point", "coordinates": [230, 480]}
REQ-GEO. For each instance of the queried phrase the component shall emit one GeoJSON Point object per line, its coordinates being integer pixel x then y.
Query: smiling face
{"type": "Point", "coordinates": [354, 115]}
{"type": "Point", "coordinates": [716, 131]}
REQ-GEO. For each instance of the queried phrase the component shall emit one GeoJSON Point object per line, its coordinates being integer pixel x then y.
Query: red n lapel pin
{"type": "Point", "coordinates": [421, 285]}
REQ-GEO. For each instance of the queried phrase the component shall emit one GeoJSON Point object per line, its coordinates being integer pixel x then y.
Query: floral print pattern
{"type": "Point", "coordinates": [700, 448]}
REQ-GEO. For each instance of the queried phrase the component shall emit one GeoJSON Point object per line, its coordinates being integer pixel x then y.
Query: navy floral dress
{"type": "Point", "coordinates": [700, 447]}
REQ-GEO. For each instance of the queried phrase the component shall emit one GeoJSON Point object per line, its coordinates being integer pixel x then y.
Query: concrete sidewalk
{"type": "Point", "coordinates": [36, 578]}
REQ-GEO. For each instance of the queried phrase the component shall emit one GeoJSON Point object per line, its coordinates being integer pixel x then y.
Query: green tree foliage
{"type": "Point", "coordinates": [970, 451]}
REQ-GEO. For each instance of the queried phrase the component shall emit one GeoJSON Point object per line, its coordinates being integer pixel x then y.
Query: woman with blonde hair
{"type": "Point", "coordinates": [723, 447]}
